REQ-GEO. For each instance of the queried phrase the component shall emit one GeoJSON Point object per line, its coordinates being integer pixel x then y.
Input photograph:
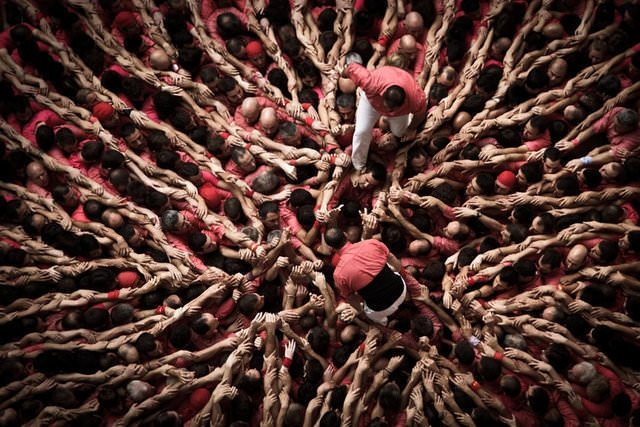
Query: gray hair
{"type": "Point", "coordinates": [627, 117]}
{"type": "Point", "coordinates": [266, 182]}
{"type": "Point", "coordinates": [169, 219]}
{"type": "Point", "coordinates": [515, 341]}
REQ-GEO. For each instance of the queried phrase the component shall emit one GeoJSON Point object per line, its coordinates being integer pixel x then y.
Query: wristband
{"type": "Point", "coordinates": [160, 309]}
{"type": "Point", "coordinates": [286, 362]}
{"type": "Point", "coordinates": [249, 193]}
{"type": "Point", "coordinates": [498, 356]}
{"type": "Point", "coordinates": [247, 146]}
{"type": "Point", "coordinates": [309, 121]}
{"type": "Point", "coordinates": [225, 135]}
{"type": "Point", "coordinates": [475, 386]}
{"type": "Point", "coordinates": [471, 280]}
{"type": "Point", "coordinates": [316, 225]}
{"type": "Point", "coordinates": [332, 160]}
{"type": "Point", "coordinates": [305, 106]}
{"type": "Point", "coordinates": [575, 142]}
{"type": "Point", "coordinates": [382, 41]}
{"type": "Point", "coordinates": [293, 162]}
{"type": "Point", "coordinates": [361, 348]}
{"type": "Point", "coordinates": [586, 160]}
{"type": "Point", "coordinates": [253, 247]}
{"type": "Point", "coordinates": [473, 340]}
{"type": "Point", "coordinates": [113, 294]}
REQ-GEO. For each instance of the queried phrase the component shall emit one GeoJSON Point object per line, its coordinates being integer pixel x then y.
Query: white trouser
{"type": "Point", "coordinates": [366, 118]}
{"type": "Point", "coordinates": [382, 316]}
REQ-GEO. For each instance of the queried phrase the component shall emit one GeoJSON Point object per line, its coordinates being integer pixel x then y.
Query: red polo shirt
{"type": "Point", "coordinates": [359, 264]}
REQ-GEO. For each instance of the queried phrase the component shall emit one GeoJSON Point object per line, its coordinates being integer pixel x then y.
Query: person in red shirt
{"type": "Point", "coordinates": [389, 92]}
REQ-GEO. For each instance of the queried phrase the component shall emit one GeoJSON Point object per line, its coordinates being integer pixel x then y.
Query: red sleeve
{"type": "Point", "coordinates": [359, 74]}
{"type": "Point", "coordinates": [225, 309]}
{"type": "Point", "coordinates": [615, 384]}
{"type": "Point", "coordinates": [445, 246]}
{"type": "Point", "coordinates": [567, 412]}
{"type": "Point", "coordinates": [47, 116]}
{"type": "Point", "coordinates": [601, 125]}
{"type": "Point", "coordinates": [342, 187]}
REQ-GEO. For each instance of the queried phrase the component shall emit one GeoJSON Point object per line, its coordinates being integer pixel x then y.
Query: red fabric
{"type": "Point", "coordinates": [103, 111]}
{"type": "Point", "coordinates": [253, 49]}
{"type": "Point", "coordinates": [124, 20]}
{"type": "Point", "coordinates": [507, 178]}
{"type": "Point", "coordinates": [358, 266]}
{"type": "Point", "coordinates": [127, 279]}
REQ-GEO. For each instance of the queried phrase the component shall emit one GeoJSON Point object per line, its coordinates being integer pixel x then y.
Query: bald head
{"type": "Point", "coordinates": [576, 257]}
{"type": "Point", "coordinates": [557, 71]}
{"type": "Point", "coordinates": [250, 110]}
{"type": "Point", "coordinates": [447, 76]}
{"type": "Point", "coordinates": [269, 121]}
{"type": "Point", "coordinates": [414, 24]}
{"type": "Point", "coordinates": [461, 119]}
{"type": "Point", "coordinates": [37, 173]}
{"type": "Point", "coordinates": [160, 60]}
{"type": "Point", "coordinates": [553, 31]}
{"type": "Point", "coordinates": [346, 85]}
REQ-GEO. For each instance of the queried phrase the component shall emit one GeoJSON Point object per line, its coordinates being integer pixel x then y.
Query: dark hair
{"type": "Point", "coordinates": [551, 257]}
{"type": "Point", "coordinates": [608, 251]}
{"type": "Point", "coordinates": [146, 343]}
{"type": "Point", "coordinates": [92, 150]}
{"type": "Point", "coordinates": [394, 238]}
{"type": "Point", "coordinates": [180, 336]}
{"type": "Point", "coordinates": [96, 319]}
{"type": "Point", "coordinates": [394, 96]}
{"type": "Point", "coordinates": [559, 357]}
{"type": "Point", "coordinates": [568, 185]}
{"type": "Point", "coordinates": [319, 340]}
{"type": "Point", "coordinates": [490, 368]}
{"type": "Point", "coordinates": [247, 304]}
{"type": "Point", "coordinates": [539, 400]}
{"type": "Point", "coordinates": [335, 237]}
{"type": "Point", "coordinates": [45, 137]}
{"type": "Point", "coordinates": [422, 326]}
{"type": "Point", "coordinates": [121, 314]}
{"type": "Point", "coordinates": [378, 171]}
{"type": "Point", "coordinates": [464, 352]}
{"type": "Point", "coordinates": [112, 159]}
{"type": "Point", "coordinates": [487, 183]}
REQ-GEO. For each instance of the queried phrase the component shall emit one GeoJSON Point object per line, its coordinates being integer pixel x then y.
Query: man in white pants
{"type": "Point", "coordinates": [386, 91]}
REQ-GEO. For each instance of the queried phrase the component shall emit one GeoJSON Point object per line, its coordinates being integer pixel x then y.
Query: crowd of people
{"type": "Point", "coordinates": [319, 213]}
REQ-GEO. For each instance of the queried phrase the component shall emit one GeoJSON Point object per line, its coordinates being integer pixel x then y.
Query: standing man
{"type": "Point", "coordinates": [385, 91]}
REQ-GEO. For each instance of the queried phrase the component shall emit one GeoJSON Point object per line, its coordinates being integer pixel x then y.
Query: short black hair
{"type": "Point", "coordinates": [378, 171]}
{"type": "Point", "coordinates": [394, 96]}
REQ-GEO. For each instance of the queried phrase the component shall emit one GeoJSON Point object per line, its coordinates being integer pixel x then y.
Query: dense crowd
{"type": "Point", "coordinates": [293, 213]}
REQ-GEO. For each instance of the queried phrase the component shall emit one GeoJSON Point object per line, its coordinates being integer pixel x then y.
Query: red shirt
{"type": "Point", "coordinates": [376, 82]}
{"type": "Point", "coordinates": [359, 264]}
{"type": "Point", "coordinates": [628, 141]}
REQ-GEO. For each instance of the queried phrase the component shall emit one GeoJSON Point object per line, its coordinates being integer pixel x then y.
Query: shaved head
{"type": "Point", "coordinates": [576, 257]}
{"type": "Point", "coordinates": [250, 109]}
{"type": "Point", "coordinates": [269, 121]}
{"type": "Point", "coordinates": [346, 85]}
{"type": "Point", "coordinates": [38, 173]}
{"type": "Point", "coordinates": [414, 24]}
{"type": "Point", "coordinates": [160, 60]}
{"type": "Point", "coordinates": [557, 71]}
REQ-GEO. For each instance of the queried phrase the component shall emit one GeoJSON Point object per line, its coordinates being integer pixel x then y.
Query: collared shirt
{"type": "Point", "coordinates": [359, 265]}
{"type": "Point", "coordinates": [376, 82]}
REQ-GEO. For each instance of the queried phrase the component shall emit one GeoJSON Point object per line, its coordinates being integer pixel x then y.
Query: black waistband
{"type": "Point", "coordinates": [384, 290]}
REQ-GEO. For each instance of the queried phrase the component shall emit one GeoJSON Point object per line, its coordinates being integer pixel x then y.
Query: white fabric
{"type": "Point", "coordinates": [366, 118]}
{"type": "Point", "coordinates": [382, 316]}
